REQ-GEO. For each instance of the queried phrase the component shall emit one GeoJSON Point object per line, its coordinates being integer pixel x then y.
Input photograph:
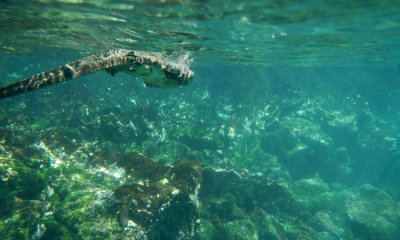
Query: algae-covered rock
{"type": "Point", "coordinates": [312, 195]}
{"type": "Point", "coordinates": [328, 222]}
{"type": "Point", "coordinates": [296, 230]}
{"type": "Point", "coordinates": [22, 221]}
{"type": "Point", "coordinates": [167, 153]}
{"type": "Point", "coordinates": [22, 184]}
{"type": "Point", "coordinates": [249, 190]}
{"type": "Point", "coordinates": [243, 229]}
{"type": "Point", "coordinates": [66, 138]}
{"type": "Point", "coordinates": [300, 144]}
{"type": "Point", "coordinates": [162, 204]}
{"type": "Point", "coordinates": [206, 231]}
{"type": "Point", "coordinates": [231, 201]}
{"type": "Point", "coordinates": [340, 125]}
{"type": "Point", "coordinates": [268, 226]}
{"type": "Point", "coordinates": [199, 138]}
{"type": "Point", "coordinates": [223, 207]}
{"type": "Point", "coordinates": [373, 214]}
{"type": "Point", "coordinates": [85, 213]}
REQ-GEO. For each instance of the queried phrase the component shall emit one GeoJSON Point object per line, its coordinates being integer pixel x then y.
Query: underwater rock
{"type": "Point", "coordinates": [312, 195]}
{"type": "Point", "coordinates": [22, 202]}
{"type": "Point", "coordinates": [339, 125]}
{"type": "Point", "coordinates": [199, 137]}
{"type": "Point", "coordinates": [141, 167]}
{"type": "Point", "coordinates": [135, 164]}
{"type": "Point", "coordinates": [165, 207]}
{"type": "Point", "coordinates": [307, 131]}
{"type": "Point", "coordinates": [224, 209]}
{"type": "Point", "coordinates": [24, 179]}
{"type": "Point", "coordinates": [324, 221]}
{"type": "Point", "coordinates": [16, 137]}
{"type": "Point", "coordinates": [390, 174]}
{"type": "Point", "coordinates": [280, 141]}
{"type": "Point", "coordinates": [249, 190]}
{"type": "Point", "coordinates": [86, 213]}
{"type": "Point", "coordinates": [268, 226]}
{"type": "Point", "coordinates": [165, 153]}
{"type": "Point", "coordinates": [376, 153]}
{"type": "Point", "coordinates": [300, 144]}
{"type": "Point", "coordinates": [231, 198]}
{"type": "Point", "coordinates": [135, 124]}
{"type": "Point", "coordinates": [312, 146]}
{"type": "Point", "coordinates": [26, 153]}
{"type": "Point", "coordinates": [373, 214]}
{"type": "Point", "coordinates": [296, 230]}
{"type": "Point", "coordinates": [23, 220]}
{"type": "Point", "coordinates": [243, 229]}
{"type": "Point", "coordinates": [61, 138]}
{"type": "Point", "coordinates": [162, 202]}
{"type": "Point", "coordinates": [206, 231]}
{"type": "Point", "coordinates": [5, 133]}
{"type": "Point", "coordinates": [109, 127]}
{"type": "Point", "coordinates": [269, 166]}
{"type": "Point", "coordinates": [198, 143]}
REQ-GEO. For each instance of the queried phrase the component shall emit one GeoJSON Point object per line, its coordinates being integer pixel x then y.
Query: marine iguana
{"type": "Point", "coordinates": [156, 69]}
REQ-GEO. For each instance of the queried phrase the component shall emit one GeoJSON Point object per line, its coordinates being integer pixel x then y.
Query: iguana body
{"type": "Point", "coordinates": [156, 69]}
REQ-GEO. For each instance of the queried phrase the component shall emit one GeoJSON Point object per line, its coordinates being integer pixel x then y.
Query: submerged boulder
{"type": "Point", "coordinates": [324, 221]}
{"type": "Point", "coordinates": [299, 144]}
{"type": "Point", "coordinates": [184, 200]}
{"type": "Point", "coordinates": [162, 204]}
{"type": "Point", "coordinates": [242, 229]}
{"type": "Point", "coordinates": [373, 214]}
{"type": "Point", "coordinates": [268, 226]}
{"type": "Point", "coordinates": [310, 196]}
{"type": "Point", "coordinates": [244, 189]}
{"type": "Point", "coordinates": [206, 231]}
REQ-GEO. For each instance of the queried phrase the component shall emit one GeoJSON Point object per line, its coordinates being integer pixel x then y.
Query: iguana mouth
{"type": "Point", "coordinates": [161, 70]}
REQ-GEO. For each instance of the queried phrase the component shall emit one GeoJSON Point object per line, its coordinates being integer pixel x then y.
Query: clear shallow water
{"type": "Point", "coordinates": [301, 33]}
{"type": "Point", "coordinates": [293, 114]}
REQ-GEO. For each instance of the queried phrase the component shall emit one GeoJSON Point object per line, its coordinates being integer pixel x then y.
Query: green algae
{"type": "Point", "coordinates": [207, 231]}
{"type": "Point", "coordinates": [21, 208]}
{"type": "Point", "coordinates": [240, 230]}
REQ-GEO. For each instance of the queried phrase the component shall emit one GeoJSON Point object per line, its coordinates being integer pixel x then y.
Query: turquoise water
{"type": "Point", "coordinates": [301, 33]}
{"type": "Point", "coordinates": [289, 129]}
